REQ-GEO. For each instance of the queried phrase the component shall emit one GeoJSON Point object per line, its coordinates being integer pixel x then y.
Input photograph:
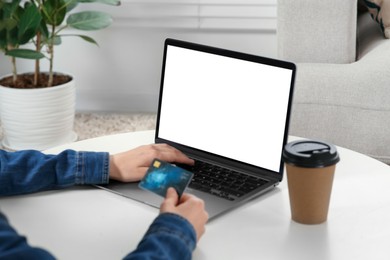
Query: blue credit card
{"type": "Point", "coordinates": [162, 175]}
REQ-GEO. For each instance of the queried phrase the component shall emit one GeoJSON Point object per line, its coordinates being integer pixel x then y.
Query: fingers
{"type": "Point", "coordinates": [162, 152]}
{"type": "Point", "coordinates": [170, 154]}
{"type": "Point", "coordinates": [185, 197]}
{"type": "Point", "coordinates": [190, 207]}
{"type": "Point", "coordinates": [132, 165]}
{"type": "Point", "coordinates": [172, 195]}
{"type": "Point", "coordinates": [171, 200]}
{"type": "Point", "coordinates": [193, 209]}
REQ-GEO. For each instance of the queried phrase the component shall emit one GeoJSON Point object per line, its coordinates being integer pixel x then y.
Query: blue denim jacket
{"type": "Point", "coordinates": [169, 236]}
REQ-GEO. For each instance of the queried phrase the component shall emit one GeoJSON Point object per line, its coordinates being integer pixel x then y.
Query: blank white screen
{"type": "Point", "coordinates": [226, 106]}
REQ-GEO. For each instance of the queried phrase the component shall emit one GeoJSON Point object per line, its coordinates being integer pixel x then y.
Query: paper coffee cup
{"type": "Point", "coordinates": [310, 169]}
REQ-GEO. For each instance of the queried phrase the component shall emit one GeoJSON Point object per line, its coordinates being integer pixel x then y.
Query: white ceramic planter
{"type": "Point", "coordinates": [38, 118]}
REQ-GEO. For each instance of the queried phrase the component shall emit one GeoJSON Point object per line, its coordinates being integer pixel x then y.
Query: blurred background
{"type": "Point", "coordinates": [123, 73]}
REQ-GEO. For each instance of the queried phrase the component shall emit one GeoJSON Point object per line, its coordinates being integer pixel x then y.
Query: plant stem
{"type": "Point", "coordinates": [38, 47]}
{"type": "Point", "coordinates": [37, 67]}
{"type": "Point", "coordinates": [51, 52]}
{"type": "Point", "coordinates": [14, 70]}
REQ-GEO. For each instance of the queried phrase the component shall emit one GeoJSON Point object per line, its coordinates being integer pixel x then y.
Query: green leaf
{"type": "Point", "coordinates": [54, 11]}
{"type": "Point", "coordinates": [2, 24]}
{"type": "Point", "coordinates": [70, 5]}
{"type": "Point", "coordinates": [3, 42]}
{"type": "Point", "coordinates": [29, 24]}
{"type": "Point", "coordinates": [89, 20]}
{"type": "Point", "coordinates": [107, 2]}
{"type": "Point", "coordinates": [88, 39]}
{"type": "Point", "coordinates": [25, 54]}
{"type": "Point", "coordinates": [14, 6]}
{"type": "Point", "coordinates": [84, 37]}
{"type": "Point", "coordinates": [57, 40]}
{"type": "Point", "coordinates": [11, 10]}
{"type": "Point", "coordinates": [43, 29]}
{"type": "Point", "coordinates": [8, 24]}
{"type": "Point", "coordinates": [12, 36]}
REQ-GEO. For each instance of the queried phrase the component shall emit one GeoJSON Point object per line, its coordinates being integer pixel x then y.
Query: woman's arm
{"type": "Point", "coordinates": [31, 171]}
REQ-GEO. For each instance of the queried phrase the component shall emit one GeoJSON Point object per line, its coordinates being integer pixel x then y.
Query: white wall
{"type": "Point", "coordinates": [123, 74]}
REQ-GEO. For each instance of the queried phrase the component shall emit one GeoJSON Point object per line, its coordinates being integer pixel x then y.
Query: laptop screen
{"type": "Point", "coordinates": [232, 105]}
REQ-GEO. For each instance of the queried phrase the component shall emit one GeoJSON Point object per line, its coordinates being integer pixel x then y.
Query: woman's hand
{"type": "Point", "coordinates": [132, 165]}
{"type": "Point", "coordinates": [189, 207]}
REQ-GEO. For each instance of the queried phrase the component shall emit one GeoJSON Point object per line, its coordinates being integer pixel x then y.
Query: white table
{"type": "Point", "coordinates": [89, 223]}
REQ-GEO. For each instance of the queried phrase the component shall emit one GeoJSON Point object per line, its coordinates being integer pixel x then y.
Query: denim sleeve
{"type": "Point", "coordinates": [31, 171]}
{"type": "Point", "coordinates": [13, 246]}
{"type": "Point", "coordinates": [169, 237]}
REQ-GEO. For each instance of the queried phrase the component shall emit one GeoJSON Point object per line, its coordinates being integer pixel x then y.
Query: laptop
{"type": "Point", "coordinates": [229, 111]}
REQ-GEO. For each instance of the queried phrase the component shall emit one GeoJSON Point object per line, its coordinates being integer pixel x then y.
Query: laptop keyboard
{"type": "Point", "coordinates": [222, 182]}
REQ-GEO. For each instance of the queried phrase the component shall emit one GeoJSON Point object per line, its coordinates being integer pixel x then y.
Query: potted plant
{"type": "Point", "coordinates": [37, 109]}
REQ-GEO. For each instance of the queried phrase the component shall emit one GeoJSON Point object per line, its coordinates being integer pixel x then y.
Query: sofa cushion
{"type": "Point", "coordinates": [316, 31]}
{"type": "Point", "coordinates": [380, 12]}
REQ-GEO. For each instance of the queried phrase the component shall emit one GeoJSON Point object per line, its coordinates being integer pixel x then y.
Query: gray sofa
{"type": "Point", "coordinates": [342, 92]}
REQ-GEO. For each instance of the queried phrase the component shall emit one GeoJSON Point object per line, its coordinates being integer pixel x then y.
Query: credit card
{"type": "Point", "coordinates": [162, 175]}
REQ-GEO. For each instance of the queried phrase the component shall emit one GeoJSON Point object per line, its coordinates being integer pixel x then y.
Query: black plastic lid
{"type": "Point", "coordinates": [310, 154]}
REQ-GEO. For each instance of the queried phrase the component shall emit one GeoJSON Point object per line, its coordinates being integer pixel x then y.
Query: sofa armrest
{"type": "Point", "coordinates": [317, 31]}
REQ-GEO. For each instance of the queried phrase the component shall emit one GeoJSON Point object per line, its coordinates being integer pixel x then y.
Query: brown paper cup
{"type": "Point", "coordinates": [310, 190]}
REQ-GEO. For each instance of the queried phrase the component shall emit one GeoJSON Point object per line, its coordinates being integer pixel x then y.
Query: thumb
{"type": "Point", "coordinates": [172, 196]}
{"type": "Point", "coordinates": [171, 200]}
